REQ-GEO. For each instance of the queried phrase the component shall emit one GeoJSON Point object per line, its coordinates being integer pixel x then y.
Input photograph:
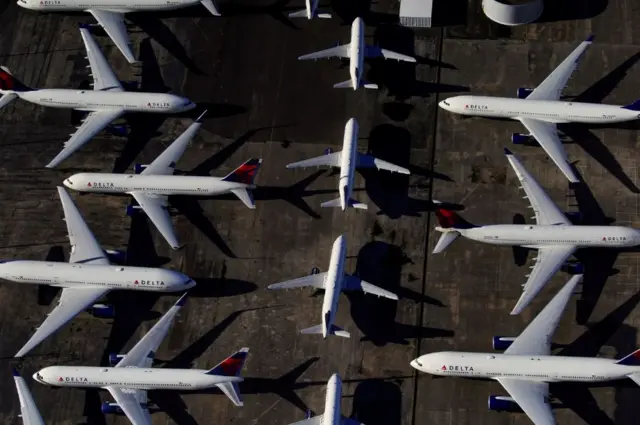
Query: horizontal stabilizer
{"type": "Point", "coordinates": [231, 390]}
{"type": "Point", "coordinates": [445, 240]}
{"type": "Point", "coordinates": [246, 196]}
{"type": "Point", "coordinates": [7, 99]}
{"type": "Point", "coordinates": [344, 85]}
{"type": "Point", "coordinates": [324, 15]}
{"type": "Point", "coordinates": [211, 7]}
{"type": "Point", "coordinates": [337, 203]}
{"type": "Point", "coordinates": [635, 377]}
{"type": "Point", "coordinates": [334, 330]}
{"type": "Point", "coordinates": [299, 14]}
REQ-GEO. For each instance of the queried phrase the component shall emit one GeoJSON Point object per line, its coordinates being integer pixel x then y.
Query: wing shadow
{"type": "Point", "coordinates": [377, 402]}
{"type": "Point", "coordinates": [605, 85]}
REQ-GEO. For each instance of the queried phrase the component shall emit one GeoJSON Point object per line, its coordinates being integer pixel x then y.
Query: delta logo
{"type": "Point", "coordinates": [49, 2]}
{"type": "Point", "coordinates": [73, 379]}
{"type": "Point", "coordinates": [456, 368]}
{"type": "Point", "coordinates": [149, 282]}
{"type": "Point", "coordinates": [100, 185]}
{"type": "Point", "coordinates": [614, 238]}
{"type": "Point", "coordinates": [476, 107]}
{"type": "Point", "coordinates": [158, 105]}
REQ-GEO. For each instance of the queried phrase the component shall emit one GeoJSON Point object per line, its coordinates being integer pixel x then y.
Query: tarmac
{"type": "Point", "coordinates": [262, 102]}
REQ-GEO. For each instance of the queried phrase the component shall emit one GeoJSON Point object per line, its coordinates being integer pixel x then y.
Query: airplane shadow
{"type": "Point", "coordinates": [572, 10]}
{"type": "Point", "coordinates": [599, 90]}
{"type": "Point", "coordinates": [390, 191]}
{"type": "Point", "coordinates": [377, 402]}
{"type": "Point", "coordinates": [347, 12]}
{"type": "Point", "coordinates": [381, 264]}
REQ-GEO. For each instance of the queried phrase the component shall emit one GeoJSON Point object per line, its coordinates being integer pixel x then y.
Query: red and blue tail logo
{"type": "Point", "coordinates": [632, 359]}
{"type": "Point", "coordinates": [9, 82]}
{"type": "Point", "coordinates": [231, 366]}
{"type": "Point", "coordinates": [449, 219]}
{"type": "Point", "coordinates": [245, 173]}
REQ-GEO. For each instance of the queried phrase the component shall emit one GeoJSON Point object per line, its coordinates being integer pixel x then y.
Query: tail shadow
{"type": "Point", "coordinates": [377, 402]}
{"type": "Point", "coordinates": [605, 85]}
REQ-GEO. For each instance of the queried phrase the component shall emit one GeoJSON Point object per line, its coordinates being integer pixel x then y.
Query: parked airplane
{"type": "Point", "coordinates": [28, 409]}
{"type": "Point", "coordinates": [132, 375]}
{"type": "Point", "coordinates": [332, 407]}
{"type": "Point", "coordinates": [110, 14]}
{"type": "Point", "coordinates": [348, 159]}
{"type": "Point", "coordinates": [153, 184]}
{"type": "Point", "coordinates": [105, 103]}
{"type": "Point", "coordinates": [310, 12]}
{"type": "Point", "coordinates": [540, 110]}
{"type": "Point", "coordinates": [553, 235]}
{"type": "Point", "coordinates": [356, 51]}
{"type": "Point", "coordinates": [333, 282]}
{"type": "Point", "coordinates": [87, 276]}
{"type": "Point", "coordinates": [527, 367]}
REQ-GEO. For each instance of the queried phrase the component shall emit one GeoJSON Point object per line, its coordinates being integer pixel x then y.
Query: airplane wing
{"type": "Point", "coordinates": [547, 212]}
{"type": "Point", "coordinates": [354, 283]}
{"type": "Point", "coordinates": [315, 280]}
{"type": "Point", "coordinates": [368, 161]}
{"type": "Point", "coordinates": [329, 160]}
{"type": "Point", "coordinates": [341, 51]}
{"type": "Point", "coordinates": [532, 397]}
{"type": "Point", "coordinates": [72, 301]}
{"type": "Point", "coordinates": [142, 354]}
{"type": "Point", "coordinates": [536, 338]}
{"type": "Point", "coordinates": [155, 207]}
{"type": "Point", "coordinates": [94, 123]}
{"type": "Point", "coordinates": [129, 401]}
{"type": "Point", "coordinates": [546, 134]}
{"type": "Point", "coordinates": [103, 77]}
{"type": "Point", "coordinates": [113, 25]}
{"type": "Point", "coordinates": [84, 246]}
{"type": "Point", "coordinates": [548, 261]}
{"type": "Point", "coordinates": [551, 87]}
{"type": "Point", "coordinates": [377, 52]}
{"type": "Point", "coordinates": [314, 420]}
{"type": "Point", "coordinates": [28, 409]}
{"type": "Point", "coordinates": [165, 164]}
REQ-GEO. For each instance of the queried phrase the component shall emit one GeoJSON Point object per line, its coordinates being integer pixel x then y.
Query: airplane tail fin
{"type": "Point", "coordinates": [337, 203]}
{"type": "Point", "coordinates": [333, 330]}
{"type": "Point", "coordinates": [211, 7]}
{"type": "Point", "coordinates": [635, 106]}
{"type": "Point", "coordinates": [9, 83]}
{"type": "Point", "coordinates": [632, 359]}
{"type": "Point", "coordinates": [349, 85]}
{"type": "Point", "coordinates": [231, 367]}
{"type": "Point", "coordinates": [246, 173]}
{"type": "Point", "coordinates": [449, 219]}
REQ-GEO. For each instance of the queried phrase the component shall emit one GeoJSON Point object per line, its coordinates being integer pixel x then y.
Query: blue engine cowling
{"type": "Point", "coordinates": [111, 408]}
{"type": "Point", "coordinates": [315, 270]}
{"type": "Point", "coordinates": [130, 85]}
{"type": "Point", "coordinates": [328, 151]}
{"type": "Point", "coordinates": [102, 311]}
{"type": "Point", "coordinates": [116, 256]}
{"type": "Point", "coordinates": [114, 358]}
{"type": "Point", "coordinates": [503, 404]}
{"type": "Point", "coordinates": [132, 210]}
{"type": "Point", "coordinates": [118, 130]}
{"type": "Point", "coordinates": [139, 168]}
{"type": "Point", "coordinates": [501, 343]}
{"type": "Point", "coordinates": [519, 138]}
{"type": "Point", "coordinates": [573, 267]}
{"type": "Point", "coordinates": [523, 92]}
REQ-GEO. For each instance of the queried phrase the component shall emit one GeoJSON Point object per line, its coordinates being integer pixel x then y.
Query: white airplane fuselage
{"type": "Point", "coordinates": [69, 275]}
{"type": "Point", "coordinates": [529, 367]}
{"type": "Point", "coordinates": [538, 236]}
{"type": "Point", "coordinates": [157, 184]}
{"type": "Point", "coordinates": [333, 284]}
{"type": "Point", "coordinates": [357, 50]}
{"type": "Point", "coordinates": [333, 401]}
{"type": "Point", "coordinates": [542, 110]}
{"type": "Point", "coordinates": [130, 377]}
{"type": "Point", "coordinates": [109, 5]}
{"type": "Point", "coordinates": [348, 161]}
{"type": "Point", "coordinates": [91, 100]}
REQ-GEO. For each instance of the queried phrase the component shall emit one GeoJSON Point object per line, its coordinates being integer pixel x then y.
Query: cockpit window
{"type": "Point", "coordinates": [69, 181]}
{"type": "Point", "coordinates": [446, 103]}
{"type": "Point", "coordinates": [39, 377]}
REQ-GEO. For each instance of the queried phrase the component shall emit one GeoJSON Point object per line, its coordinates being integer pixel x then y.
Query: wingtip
{"type": "Point", "coordinates": [507, 152]}
{"type": "Point", "coordinates": [182, 300]}
{"type": "Point", "coordinates": [244, 350]}
{"type": "Point", "coordinates": [201, 116]}
{"type": "Point", "coordinates": [590, 38]}
{"type": "Point", "coordinates": [15, 372]}
{"type": "Point", "coordinates": [84, 26]}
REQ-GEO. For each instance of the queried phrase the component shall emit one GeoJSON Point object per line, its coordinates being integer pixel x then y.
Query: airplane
{"type": "Point", "coordinates": [333, 282]}
{"type": "Point", "coordinates": [106, 102]}
{"type": "Point", "coordinates": [88, 276]}
{"type": "Point", "coordinates": [152, 184]}
{"type": "Point", "coordinates": [28, 409]}
{"type": "Point", "coordinates": [553, 235]}
{"type": "Point", "coordinates": [348, 160]}
{"type": "Point", "coordinates": [540, 109]}
{"type": "Point", "coordinates": [356, 51]}
{"type": "Point", "coordinates": [332, 407]}
{"type": "Point", "coordinates": [527, 367]}
{"type": "Point", "coordinates": [110, 14]}
{"type": "Point", "coordinates": [310, 12]}
{"type": "Point", "coordinates": [131, 375]}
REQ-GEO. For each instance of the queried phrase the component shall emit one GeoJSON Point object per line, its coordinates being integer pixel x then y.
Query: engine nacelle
{"type": "Point", "coordinates": [132, 210]}
{"type": "Point", "coordinates": [573, 267]}
{"type": "Point", "coordinates": [102, 311]}
{"type": "Point", "coordinates": [503, 404]}
{"type": "Point", "coordinates": [118, 130]}
{"type": "Point", "coordinates": [328, 151]}
{"type": "Point", "coordinates": [523, 92]}
{"type": "Point", "coordinates": [111, 408]}
{"type": "Point", "coordinates": [315, 270]}
{"type": "Point", "coordinates": [139, 168]}
{"type": "Point", "coordinates": [116, 256]}
{"type": "Point", "coordinates": [114, 359]}
{"type": "Point", "coordinates": [501, 343]}
{"type": "Point", "coordinates": [519, 138]}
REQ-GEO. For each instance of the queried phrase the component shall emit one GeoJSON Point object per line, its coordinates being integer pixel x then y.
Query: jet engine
{"type": "Point", "coordinates": [116, 256]}
{"type": "Point", "coordinates": [523, 92]}
{"type": "Point", "coordinates": [118, 130]}
{"type": "Point", "coordinates": [111, 408]}
{"type": "Point", "coordinates": [315, 270]}
{"type": "Point", "coordinates": [132, 210]}
{"type": "Point", "coordinates": [519, 138]}
{"type": "Point", "coordinates": [139, 168]}
{"type": "Point", "coordinates": [503, 404]}
{"type": "Point", "coordinates": [328, 151]}
{"type": "Point", "coordinates": [501, 343]}
{"type": "Point", "coordinates": [114, 358]}
{"type": "Point", "coordinates": [573, 267]}
{"type": "Point", "coordinates": [102, 311]}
